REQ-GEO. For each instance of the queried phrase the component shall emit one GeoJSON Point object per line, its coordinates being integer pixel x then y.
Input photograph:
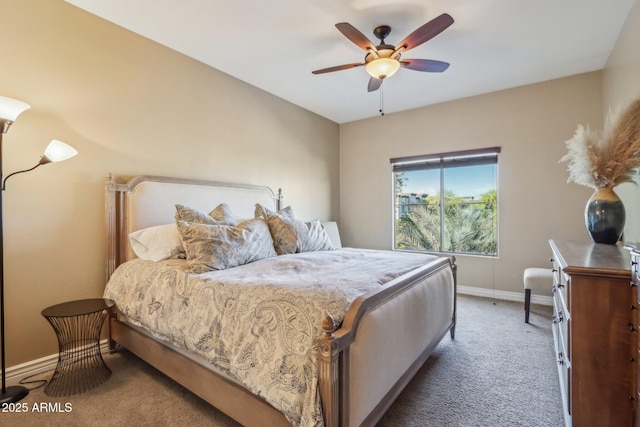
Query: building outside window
{"type": "Point", "coordinates": [447, 202]}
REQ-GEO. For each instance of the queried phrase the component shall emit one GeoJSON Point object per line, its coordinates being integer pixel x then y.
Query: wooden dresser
{"type": "Point", "coordinates": [595, 333]}
{"type": "Point", "coordinates": [635, 304]}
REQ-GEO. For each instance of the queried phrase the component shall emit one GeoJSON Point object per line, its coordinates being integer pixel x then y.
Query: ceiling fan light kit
{"type": "Point", "coordinates": [382, 68]}
{"type": "Point", "coordinates": [382, 61]}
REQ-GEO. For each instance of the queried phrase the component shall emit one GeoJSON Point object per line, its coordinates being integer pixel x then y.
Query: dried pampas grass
{"type": "Point", "coordinates": [607, 159]}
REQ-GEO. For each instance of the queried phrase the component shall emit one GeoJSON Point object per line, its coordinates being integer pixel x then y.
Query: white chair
{"type": "Point", "coordinates": [538, 279]}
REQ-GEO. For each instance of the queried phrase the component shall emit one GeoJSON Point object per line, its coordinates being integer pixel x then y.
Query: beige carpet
{"type": "Point", "coordinates": [498, 371]}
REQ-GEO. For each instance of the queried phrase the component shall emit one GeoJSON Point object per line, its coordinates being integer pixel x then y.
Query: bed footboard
{"type": "Point", "coordinates": [384, 340]}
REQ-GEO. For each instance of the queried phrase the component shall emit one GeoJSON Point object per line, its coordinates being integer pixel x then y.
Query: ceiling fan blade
{"type": "Point", "coordinates": [338, 68]}
{"type": "Point", "coordinates": [355, 36]}
{"type": "Point", "coordinates": [426, 32]}
{"type": "Point", "coordinates": [428, 65]}
{"type": "Point", "coordinates": [374, 84]}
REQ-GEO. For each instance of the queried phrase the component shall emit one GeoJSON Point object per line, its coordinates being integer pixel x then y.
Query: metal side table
{"type": "Point", "coordinates": [80, 364]}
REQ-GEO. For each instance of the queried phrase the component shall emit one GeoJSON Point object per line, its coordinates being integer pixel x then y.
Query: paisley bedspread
{"type": "Point", "coordinates": [258, 322]}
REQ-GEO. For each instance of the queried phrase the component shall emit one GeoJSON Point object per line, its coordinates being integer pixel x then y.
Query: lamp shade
{"type": "Point", "coordinates": [382, 68]}
{"type": "Point", "coordinates": [57, 151]}
{"type": "Point", "coordinates": [11, 108]}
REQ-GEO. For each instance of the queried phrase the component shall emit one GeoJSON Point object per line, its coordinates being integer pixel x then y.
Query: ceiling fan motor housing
{"type": "Point", "coordinates": [382, 51]}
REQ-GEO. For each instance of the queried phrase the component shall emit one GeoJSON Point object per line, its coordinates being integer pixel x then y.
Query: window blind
{"type": "Point", "coordinates": [453, 159]}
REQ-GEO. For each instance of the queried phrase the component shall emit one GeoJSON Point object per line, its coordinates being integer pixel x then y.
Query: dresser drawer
{"type": "Point", "coordinates": [561, 282]}
{"type": "Point", "coordinates": [564, 367]}
{"type": "Point", "coordinates": [561, 323]}
{"type": "Point", "coordinates": [634, 311]}
{"type": "Point", "coordinates": [635, 259]}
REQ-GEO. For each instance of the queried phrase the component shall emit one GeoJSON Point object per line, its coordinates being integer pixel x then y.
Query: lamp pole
{"type": "Point", "coordinates": [13, 393]}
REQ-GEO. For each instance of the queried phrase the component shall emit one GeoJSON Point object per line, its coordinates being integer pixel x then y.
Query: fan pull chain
{"type": "Point", "coordinates": [381, 102]}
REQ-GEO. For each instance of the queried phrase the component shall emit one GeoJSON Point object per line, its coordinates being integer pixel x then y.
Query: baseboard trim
{"type": "Point", "coordinates": [48, 363]}
{"type": "Point", "coordinates": [504, 295]}
{"type": "Point", "coordinates": [39, 366]}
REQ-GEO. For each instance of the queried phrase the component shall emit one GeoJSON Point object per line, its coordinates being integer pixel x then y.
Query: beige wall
{"type": "Point", "coordinates": [530, 123]}
{"type": "Point", "coordinates": [130, 107]}
{"type": "Point", "coordinates": [621, 83]}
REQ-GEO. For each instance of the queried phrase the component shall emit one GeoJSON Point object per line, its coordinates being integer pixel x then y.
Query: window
{"type": "Point", "coordinates": [447, 202]}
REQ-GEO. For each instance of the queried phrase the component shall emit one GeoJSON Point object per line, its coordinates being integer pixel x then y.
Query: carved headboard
{"type": "Point", "coordinates": [146, 201]}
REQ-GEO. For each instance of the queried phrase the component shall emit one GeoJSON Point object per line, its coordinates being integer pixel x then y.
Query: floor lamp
{"type": "Point", "coordinates": [56, 151]}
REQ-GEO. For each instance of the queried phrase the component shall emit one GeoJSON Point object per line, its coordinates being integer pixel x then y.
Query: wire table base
{"type": "Point", "coordinates": [80, 365]}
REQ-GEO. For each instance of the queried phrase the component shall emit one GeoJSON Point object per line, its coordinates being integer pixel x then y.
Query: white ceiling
{"type": "Point", "coordinates": [274, 45]}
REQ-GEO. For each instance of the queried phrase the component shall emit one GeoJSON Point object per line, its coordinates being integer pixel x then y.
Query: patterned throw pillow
{"type": "Point", "coordinates": [220, 215]}
{"type": "Point", "coordinates": [216, 247]}
{"type": "Point", "coordinates": [291, 235]}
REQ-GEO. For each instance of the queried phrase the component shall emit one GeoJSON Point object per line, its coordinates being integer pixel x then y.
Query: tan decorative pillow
{"type": "Point", "coordinates": [291, 235]}
{"type": "Point", "coordinates": [216, 247]}
{"type": "Point", "coordinates": [220, 215]}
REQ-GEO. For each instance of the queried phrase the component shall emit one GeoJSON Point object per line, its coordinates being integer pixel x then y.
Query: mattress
{"type": "Point", "coordinates": [258, 322]}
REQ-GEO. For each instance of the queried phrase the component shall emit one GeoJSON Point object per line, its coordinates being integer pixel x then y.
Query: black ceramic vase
{"type": "Point", "coordinates": [604, 216]}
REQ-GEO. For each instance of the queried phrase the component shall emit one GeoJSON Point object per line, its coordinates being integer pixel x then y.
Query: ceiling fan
{"type": "Point", "coordinates": [383, 60]}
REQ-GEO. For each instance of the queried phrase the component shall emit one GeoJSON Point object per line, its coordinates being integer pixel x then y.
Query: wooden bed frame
{"type": "Point", "coordinates": [358, 381]}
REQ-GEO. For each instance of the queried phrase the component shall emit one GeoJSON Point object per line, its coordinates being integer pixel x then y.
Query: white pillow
{"type": "Point", "coordinates": [156, 243]}
{"type": "Point", "coordinates": [331, 227]}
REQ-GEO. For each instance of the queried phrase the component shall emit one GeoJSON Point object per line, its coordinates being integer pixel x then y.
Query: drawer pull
{"type": "Point", "coordinates": [560, 358]}
{"type": "Point", "coordinates": [557, 319]}
{"type": "Point", "coordinates": [632, 284]}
